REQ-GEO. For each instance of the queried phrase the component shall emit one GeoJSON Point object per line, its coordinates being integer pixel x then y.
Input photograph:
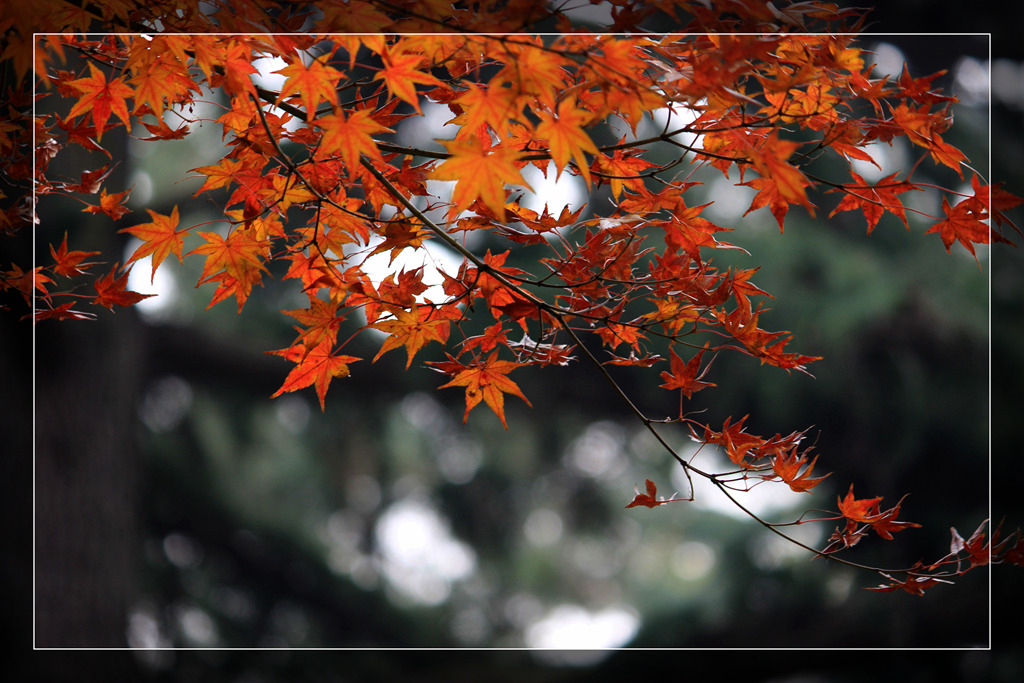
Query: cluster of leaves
{"type": "Point", "coordinates": [312, 177]}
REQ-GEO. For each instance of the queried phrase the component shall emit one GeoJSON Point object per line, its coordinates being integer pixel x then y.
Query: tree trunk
{"type": "Point", "coordinates": [87, 540]}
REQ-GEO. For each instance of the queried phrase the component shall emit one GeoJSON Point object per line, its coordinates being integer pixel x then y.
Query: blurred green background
{"type": "Point", "coordinates": [241, 521]}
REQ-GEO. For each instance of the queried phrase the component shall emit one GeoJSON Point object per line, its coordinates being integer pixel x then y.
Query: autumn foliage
{"type": "Point", "coordinates": [313, 180]}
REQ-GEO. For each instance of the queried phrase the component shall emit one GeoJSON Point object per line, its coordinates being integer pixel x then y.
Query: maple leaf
{"type": "Point", "coordinates": [737, 442]}
{"type": "Point", "coordinates": [235, 262]}
{"type": "Point", "coordinates": [313, 84]}
{"type": "Point", "coordinates": [401, 72]}
{"type": "Point", "coordinates": [534, 72]}
{"type": "Point", "coordinates": [238, 69]}
{"type": "Point", "coordinates": [112, 292]}
{"type": "Point", "coordinates": [481, 172]}
{"type": "Point", "coordinates": [962, 224]}
{"type": "Point", "coordinates": [621, 170]}
{"type": "Point", "coordinates": [400, 235]}
{"type": "Point", "coordinates": [768, 195]}
{"type": "Point", "coordinates": [101, 97]}
{"type": "Point", "coordinates": [875, 200]}
{"type": "Point", "coordinates": [493, 107]}
{"type": "Point", "coordinates": [614, 334]}
{"type": "Point", "coordinates": [864, 510]}
{"type": "Point", "coordinates": [684, 375]}
{"type": "Point", "coordinates": [70, 263]}
{"type": "Point", "coordinates": [650, 498]}
{"type": "Point", "coordinates": [321, 320]}
{"type": "Point", "coordinates": [92, 181]}
{"type": "Point", "coordinates": [110, 204]}
{"type": "Point", "coordinates": [484, 381]}
{"type": "Point", "coordinates": [162, 131]}
{"type": "Point", "coordinates": [25, 282]}
{"type": "Point", "coordinates": [977, 549]}
{"type": "Point", "coordinates": [413, 329]}
{"type": "Point", "coordinates": [317, 366]}
{"type": "Point", "coordinates": [237, 254]}
{"type": "Point", "coordinates": [846, 537]}
{"type": "Point", "coordinates": [63, 312]}
{"type": "Point", "coordinates": [217, 175]}
{"type": "Point", "coordinates": [915, 584]}
{"type": "Point", "coordinates": [867, 511]}
{"type": "Point", "coordinates": [159, 238]}
{"type": "Point", "coordinates": [566, 137]}
{"type": "Point", "coordinates": [156, 78]}
{"type": "Point", "coordinates": [788, 465]}
{"type": "Point", "coordinates": [771, 163]}
{"type": "Point", "coordinates": [886, 524]}
{"type": "Point", "coordinates": [350, 136]}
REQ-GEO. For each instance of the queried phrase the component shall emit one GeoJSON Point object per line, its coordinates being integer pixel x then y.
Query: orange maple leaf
{"type": "Point", "coordinates": [157, 77]}
{"type": "Point", "coordinates": [493, 106]}
{"type": "Point", "coordinates": [623, 169]}
{"type": "Point", "coordinates": [218, 175]}
{"type": "Point", "coordinates": [313, 84]}
{"type": "Point", "coordinates": [771, 163]}
{"type": "Point", "coordinates": [413, 329]}
{"type": "Point", "coordinates": [101, 97]}
{"type": "Point", "coordinates": [486, 381]}
{"type": "Point", "coordinates": [321, 320]}
{"type": "Point", "coordinates": [235, 262]}
{"type": "Point", "coordinates": [110, 204]}
{"type": "Point", "coordinates": [159, 238]}
{"type": "Point", "coordinates": [886, 525]}
{"type": "Point", "coordinates": [863, 510]}
{"type": "Point", "coordinates": [238, 69]}
{"type": "Point", "coordinates": [480, 173]}
{"type": "Point", "coordinates": [566, 137]}
{"type": "Point", "coordinates": [237, 254]}
{"type": "Point", "coordinates": [350, 136]}
{"type": "Point", "coordinates": [317, 366]}
{"type": "Point", "coordinates": [401, 72]}
{"type": "Point", "coordinates": [978, 549]}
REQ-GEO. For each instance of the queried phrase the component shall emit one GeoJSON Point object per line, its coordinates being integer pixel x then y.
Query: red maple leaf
{"type": "Point", "coordinates": [650, 498]}
{"type": "Point", "coordinates": [317, 365]}
{"type": "Point", "coordinates": [112, 292]}
{"type": "Point", "coordinates": [915, 584]}
{"type": "Point", "coordinates": [976, 547]}
{"type": "Point", "coordinates": [684, 375]}
{"type": "Point", "coordinates": [101, 97]}
{"type": "Point", "coordinates": [70, 263]}
{"type": "Point", "coordinates": [963, 224]}
{"type": "Point", "coordinates": [787, 466]}
{"type": "Point", "coordinates": [875, 200]}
